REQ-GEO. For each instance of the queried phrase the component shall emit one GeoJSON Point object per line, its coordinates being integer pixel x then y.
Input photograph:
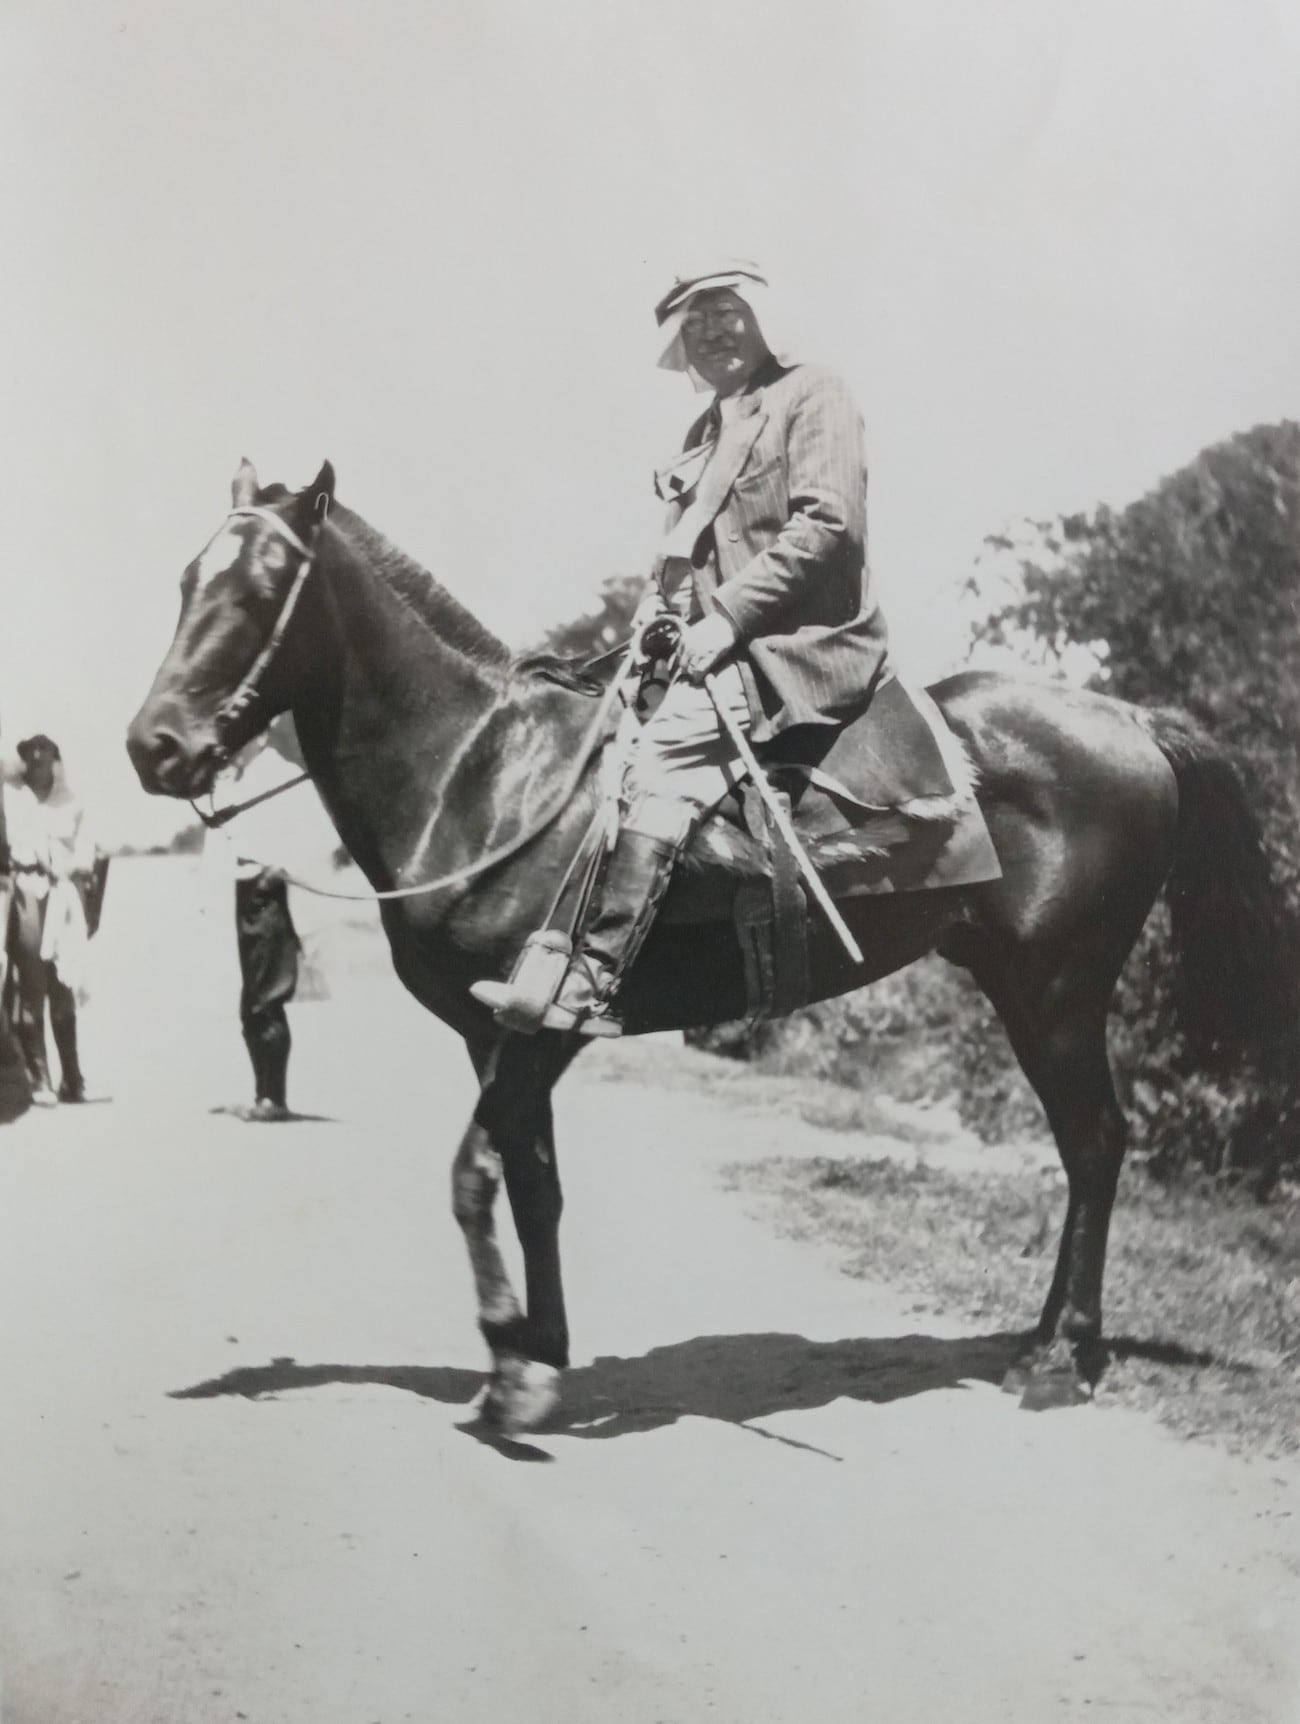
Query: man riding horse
{"type": "Point", "coordinates": [425, 736]}
{"type": "Point", "coordinates": [765, 566]}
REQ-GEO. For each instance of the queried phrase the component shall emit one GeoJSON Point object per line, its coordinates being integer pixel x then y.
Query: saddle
{"type": "Point", "coordinates": [885, 805]}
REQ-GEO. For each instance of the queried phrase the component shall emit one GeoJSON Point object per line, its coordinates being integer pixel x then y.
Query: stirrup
{"type": "Point", "coordinates": [533, 999]}
{"type": "Point", "coordinates": [521, 1003]}
{"type": "Point", "coordinates": [591, 1021]}
{"type": "Point", "coordinates": [514, 1010]}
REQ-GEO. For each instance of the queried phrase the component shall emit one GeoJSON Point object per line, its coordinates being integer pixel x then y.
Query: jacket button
{"type": "Point", "coordinates": [734, 537]}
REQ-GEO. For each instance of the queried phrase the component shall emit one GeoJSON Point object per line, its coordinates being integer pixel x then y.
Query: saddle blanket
{"type": "Point", "coordinates": [859, 840]}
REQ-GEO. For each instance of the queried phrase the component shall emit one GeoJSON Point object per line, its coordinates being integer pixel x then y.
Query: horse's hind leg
{"type": "Point", "coordinates": [511, 1135]}
{"type": "Point", "coordinates": [1058, 1033]}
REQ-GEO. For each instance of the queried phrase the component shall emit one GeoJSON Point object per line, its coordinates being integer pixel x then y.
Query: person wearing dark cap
{"type": "Point", "coordinates": [52, 857]}
{"type": "Point", "coordinates": [765, 566]}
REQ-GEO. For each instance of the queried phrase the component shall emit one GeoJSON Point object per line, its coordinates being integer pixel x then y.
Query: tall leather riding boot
{"type": "Point", "coordinates": [636, 879]}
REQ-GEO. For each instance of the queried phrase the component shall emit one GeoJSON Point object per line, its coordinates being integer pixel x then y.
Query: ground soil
{"type": "Point", "coordinates": [780, 1494]}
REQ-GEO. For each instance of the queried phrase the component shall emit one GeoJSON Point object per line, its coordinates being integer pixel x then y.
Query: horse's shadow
{"type": "Point", "coordinates": [732, 1378]}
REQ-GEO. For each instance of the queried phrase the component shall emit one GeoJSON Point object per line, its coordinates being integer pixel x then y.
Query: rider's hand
{"type": "Point", "coordinates": [705, 643]}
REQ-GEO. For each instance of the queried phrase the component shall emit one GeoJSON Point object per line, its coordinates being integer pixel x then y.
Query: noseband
{"type": "Point", "coordinates": [246, 694]}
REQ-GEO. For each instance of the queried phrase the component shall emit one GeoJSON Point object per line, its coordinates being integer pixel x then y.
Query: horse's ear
{"type": "Point", "coordinates": [321, 490]}
{"type": "Point", "coordinates": [243, 487]}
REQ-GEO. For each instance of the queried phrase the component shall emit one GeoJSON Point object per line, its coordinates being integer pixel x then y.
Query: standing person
{"type": "Point", "coordinates": [6, 894]}
{"type": "Point", "coordinates": [765, 566]}
{"type": "Point", "coordinates": [265, 935]}
{"type": "Point", "coordinates": [52, 855]}
{"type": "Point", "coordinates": [14, 1086]}
{"type": "Point", "coordinates": [268, 966]}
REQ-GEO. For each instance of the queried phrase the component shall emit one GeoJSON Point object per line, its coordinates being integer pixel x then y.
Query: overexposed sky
{"type": "Point", "coordinates": [1053, 246]}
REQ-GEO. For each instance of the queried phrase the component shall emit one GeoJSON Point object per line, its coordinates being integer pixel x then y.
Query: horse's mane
{"type": "Point", "coordinates": [438, 610]}
{"type": "Point", "coordinates": [417, 589]}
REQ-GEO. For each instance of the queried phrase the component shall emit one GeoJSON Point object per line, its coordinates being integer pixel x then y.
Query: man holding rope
{"type": "Point", "coordinates": [764, 567]}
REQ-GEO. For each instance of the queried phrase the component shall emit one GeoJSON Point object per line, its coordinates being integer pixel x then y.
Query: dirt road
{"type": "Point", "coordinates": [780, 1503]}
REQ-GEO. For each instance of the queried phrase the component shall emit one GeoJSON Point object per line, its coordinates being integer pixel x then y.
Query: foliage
{"type": "Point", "coordinates": [603, 628]}
{"type": "Point", "coordinates": [187, 840]}
{"type": "Point", "coordinates": [893, 1038]}
{"type": "Point", "coordinates": [1191, 597]}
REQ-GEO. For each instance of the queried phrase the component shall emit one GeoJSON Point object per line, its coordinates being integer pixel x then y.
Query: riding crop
{"type": "Point", "coordinates": [781, 820]}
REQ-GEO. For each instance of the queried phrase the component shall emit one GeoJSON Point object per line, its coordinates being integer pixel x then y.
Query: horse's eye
{"type": "Point", "coordinates": [274, 557]}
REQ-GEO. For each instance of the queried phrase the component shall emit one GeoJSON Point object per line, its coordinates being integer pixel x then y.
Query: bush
{"type": "Point", "coordinates": [925, 1034]}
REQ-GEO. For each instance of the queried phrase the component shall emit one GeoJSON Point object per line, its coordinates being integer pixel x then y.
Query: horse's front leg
{"type": "Point", "coordinates": [511, 1135]}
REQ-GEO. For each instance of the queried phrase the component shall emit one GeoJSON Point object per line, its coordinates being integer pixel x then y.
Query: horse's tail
{"type": "Point", "coordinates": [1236, 938]}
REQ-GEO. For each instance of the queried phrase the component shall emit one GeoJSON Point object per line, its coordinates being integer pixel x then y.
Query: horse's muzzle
{"type": "Point", "coordinates": [166, 762]}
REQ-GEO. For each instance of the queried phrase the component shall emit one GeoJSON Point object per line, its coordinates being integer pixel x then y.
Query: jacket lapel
{"type": "Point", "coordinates": [736, 440]}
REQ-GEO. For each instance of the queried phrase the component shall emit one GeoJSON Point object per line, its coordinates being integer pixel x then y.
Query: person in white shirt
{"type": "Point", "coordinates": [52, 858]}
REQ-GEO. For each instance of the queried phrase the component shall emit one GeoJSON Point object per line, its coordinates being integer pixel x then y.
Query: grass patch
{"type": "Point", "coordinates": [1202, 1288]}
{"type": "Point", "coordinates": [667, 1065]}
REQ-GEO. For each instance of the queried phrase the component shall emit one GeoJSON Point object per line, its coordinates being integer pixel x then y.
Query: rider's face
{"type": "Point", "coordinates": [722, 340]}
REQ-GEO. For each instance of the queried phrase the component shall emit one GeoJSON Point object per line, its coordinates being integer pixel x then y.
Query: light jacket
{"type": "Point", "coordinates": [775, 531]}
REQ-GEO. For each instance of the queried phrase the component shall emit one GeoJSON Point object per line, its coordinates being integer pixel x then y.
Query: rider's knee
{"type": "Point", "coordinates": [657, 816]}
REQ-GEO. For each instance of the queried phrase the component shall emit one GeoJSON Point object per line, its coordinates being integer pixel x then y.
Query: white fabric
{"type": "Point", "coordinates": [48, 841]}
{"type": "Point", "coordinates": [52, 835]}
{"type": "Point", "coordinates": [766, 312]}
{"type": "Point", "coordinates": [682, 753]}
{"type": "Point", "coordinates": [65, 940]}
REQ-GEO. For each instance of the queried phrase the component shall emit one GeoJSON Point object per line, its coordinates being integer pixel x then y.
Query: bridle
{"type": "Point", "coordinates": [237, 705]}
{"type": "Point", "coordinates": [234, 710]}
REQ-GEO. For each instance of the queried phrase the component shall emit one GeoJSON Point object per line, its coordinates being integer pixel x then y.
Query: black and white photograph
{"type": "Point", "coordinates": [650, 862]}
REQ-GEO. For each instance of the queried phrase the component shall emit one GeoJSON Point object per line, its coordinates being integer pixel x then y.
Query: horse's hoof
{"type": "Point", "coordinates": [1017, 1378]}
{"type": "Point", "coordinates": [1045, 1390]}
{"type": "Point", "coordinates": [522, 1394]}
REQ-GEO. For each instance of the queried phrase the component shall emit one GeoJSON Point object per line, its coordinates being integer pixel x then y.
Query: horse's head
{"type": "Point", "coordinates": [222, 680]}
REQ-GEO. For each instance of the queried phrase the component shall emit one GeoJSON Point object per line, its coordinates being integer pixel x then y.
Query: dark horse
{"type": "Point", "coordinates": [433, 748]}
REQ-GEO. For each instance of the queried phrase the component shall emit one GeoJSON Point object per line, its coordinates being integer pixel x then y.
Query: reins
{"type": "Point", "coordinates": [247, 691]}
{"type": "Point", "coordinates": [222, 816]}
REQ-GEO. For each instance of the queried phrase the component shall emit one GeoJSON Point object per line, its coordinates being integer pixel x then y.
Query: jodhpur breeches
{"type": "Point", "coordinates": [683, 762]}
